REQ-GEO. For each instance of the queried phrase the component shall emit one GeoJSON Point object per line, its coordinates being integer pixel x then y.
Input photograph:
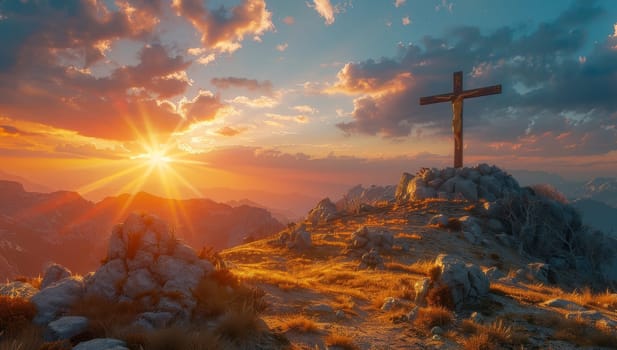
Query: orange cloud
{"type": "Point", "coordinates": [229, 131]}
{"type": "Point", "coordinates": [225, 28]}
{"type": "Point", "coordinates": [354, 80]}
{"type": "Point", "coordinates": [324, 9]}
{"type": "Point", "coordinates": [249, 84]}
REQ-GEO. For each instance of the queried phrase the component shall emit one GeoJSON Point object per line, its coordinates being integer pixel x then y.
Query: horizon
{"type": "Point", "coordinates": [177, 98]}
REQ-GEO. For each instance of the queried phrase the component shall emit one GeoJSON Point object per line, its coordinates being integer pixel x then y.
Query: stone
{"type": "Point", "coordinates": [471, 224]}
{"type": "Point", "coordinates": [534, 272]}
{"type": "Point", "coordinates": [340, 314]}
{"type": "Point", "coordinates": [56, 299]}
{"type": "Point", "coordinates": [134, 224]}
{"type": "Point", "coordinates": [494, 274]}
{"type": "Point", "coordinates": [474, 175]}
{"type": "Point", "coordinates": [139, 282]}
{"type": "Point", "coordinates": [401, 194]}
{"type": "Point", "coordinates": [467, 282]}
{"type": "Point", "coordinates": [117, 245]}
{"type": "Point", "coordinates": [170, 268]}
{"type": "Point", "coordinates": [107, 279]}
{"type": "Point", "coordinates": [495, 225]}
{"type": "Point", "coordinates": [65, 327]}
{"type": "Point", "coordinates": [506, 240]}
{"type": "Point", "coordinates": [323, 212]}
{"type": "Point", "coordinates": [467, 188]}
{"type": "Point", "coordinates": [53, 274]}
{"type": "Point", "coordinates": [301, 239]}
{"type": "Point", "coordinates": [484, 169]}
{"type": "Point", "coordinates": [491, 184]}
{"type": "Point", "coordinates": [18, 289]}
{"type": "Point", "coordinates": [418, 190]}
{"type": "Point", "coordinates": [563, 304]}
{"type": "Point", "coordinates": [439, 219]}
{"type": "Point", "coordinates": [185, 252]}
{"type": "Point", "coordinates": [421, 288]}
{"type": "Point", "coordinates": [590, 315]}
{"type": "Point", "coordinates": [155, 320]}
{"type": "Point", "coordinates": [412, 314]}
{"type": "Point", "coordinates": [141, 260]}
{"type": "Point", "coordinates": [372, 260]}
{"type": "Point", "coordinates": [448, 185]}
{"type": "Point", "coordinates": [437, 330]}
{"type": "Point", "coordinates": [319, 309]}
{"type": "Point", "coordinates": [390, 303]}
{"type": "Point", "coordinates": [476, 317]}
{"type": "Point", "coordinates": [102, 344]}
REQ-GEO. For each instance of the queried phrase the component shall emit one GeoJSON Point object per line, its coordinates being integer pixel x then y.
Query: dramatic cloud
{"type": "Point", "coordinates": [541, 74]}
{"type": "Point", "coordinates": [249, 84]}
{"type": "Point", "coordinates": [325, 10]}
{"type": "Point", "coordinates": [225, 28]}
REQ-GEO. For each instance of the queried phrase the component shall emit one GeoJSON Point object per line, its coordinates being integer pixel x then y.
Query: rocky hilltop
{"type": "Point", "coordinates": [455, 259]}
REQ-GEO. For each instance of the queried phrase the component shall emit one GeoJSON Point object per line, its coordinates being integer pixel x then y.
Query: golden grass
{"type": "Point", "coordinates": [33, 281]}
{"type": "Point", "coordinates": [527, 295]}
{"type": "Point", "coordinates": [342, 341]}
{"type": "Point", "coordinates": [26, 338]}
{"type": "Point", "coordinates": [15, 314]}
{"type": "Point", "coordinates": [106, 318]}
{"type": "Point", "coordinates": [412, 236]}
{"type": "Point", "coordinates": [301, 324]}
{"type": "Point", "coordinates": [429, 317]}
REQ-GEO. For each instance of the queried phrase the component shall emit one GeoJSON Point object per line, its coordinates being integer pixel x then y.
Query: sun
{"type": "Point", "coordinates": [157, 158]}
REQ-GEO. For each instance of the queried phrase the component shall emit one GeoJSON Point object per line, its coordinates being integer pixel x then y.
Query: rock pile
{"type": "Point", "coordinates": [296, 238]}
{"type": "Point", "coordinates": [323, 212]}
{"type": "Point", "coordinates": [371, 260]}
{"type": "Point", "coordinates": [145, 264]}
{"type": "Point", "coordinates": [471, 183]}
{"type": "Point", "coordinates": [467, 282]}
{"type": "Point", "coordinates": [359, 197]}
{"type": "Point", "coordinates": [369, 238]}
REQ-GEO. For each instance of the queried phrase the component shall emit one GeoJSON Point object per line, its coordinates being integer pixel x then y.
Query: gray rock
{"type": "Point", "coordinates": [419, 190]}
{"type": "Point", "coordinates": [495, 225]}
{"type": "Point", "coordinates": [319, 309]}
{"type": "Point", "coordinates": [155, 320]}
{"type": "Point", "coordinates": [56, 299]}
{"type": "Point", "coordinates": [474, 175]}
{"type": "Point", "coordinates": [436, 330]}
{"type": "Point", "coordinates": [141, 260]}
{"type": "Point", "coordinates": [18, 289]}
{"type": "Point", "coordinates": [448, 185]}
{"type": "Point", "coordinates": [467, 188]}
{"type": "Point", "coordinates": [66, 327]}
{"type": "Point", "coordinates": [117, 243]}
{"type": "Point", "coordinates": [390, 303]}
{"type": "Point", "coordinates": [323, 212]}
{"type": "Point", "coordinates": [102, 344]}
{"type": "Point", "coordinates": [590, 315]}
{"type": "Point", "coordinates": [401, 190]}
{"type": "Point", "coordinates": [484, 169]}
{"type": "Point", "coordinates": [492, 185]}
{"type": "Point", "coordinates": [471, 224]}
{"type": "Point", "coordinates": [563, 304]}
{"type": "Point", "coordinates": [494, 274]}
{"type": "Point", "coordinates": [301, 239]}
{"type": "Point", "coordinates": [467, 282]}
{"type": "Point", "coordinates": [169, 268]}
{"type": "Point", "coordinates": [506, 240]}
{"type": "Point", "coordinates": [372, 260]}
{"type": "Point", "coordinates": [185, 252]}
{"type": "Point", "coordinates": [107, 279]}
{"type": "Point", "coordinates": [139, 282]}
{"type": "Point", "coordinates": [53, 274]}
{"type": "Point", "coordinates": [439, 219]}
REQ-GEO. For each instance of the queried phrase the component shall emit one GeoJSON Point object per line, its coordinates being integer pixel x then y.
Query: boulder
{"type": "Point", "coordinates": [53, 274]}
{"type": "Point", "coordinates": [417, 189]}
{"type": "Point", "coordinates": [56, 299]}
{"type": "Point", "coordinates": [154, 320]}
{"type": "Point", "coordinates": [117, 243]}
{"type": "Point", "coordinates": [467, 188]}
{"type": "Point", "coordinates": [563, 304]}
{"type": "Point", "coordinates": [65, 327]}
{"type": "Point", "coordinates": [141, 260]}
{"type": "Point", "coordinates": [139, 282]}
{"type": "Point", "coordinates": [439, 220]}
{"type": "Point", "coordinates": [323, 212]}
{"type": "Point", "coordinates": [390, 303]}
{"type": "Point", "coordinates": [495, 225]}
{"type": "Point", "coordinates": [494, 274]}
{"type": "Point", "coordinates": [18, 289]}
{"type": "Point", "coordinates": [467, 282]}
{"type": "Point", "coordinates": [301, 239]}
{"type": "Point", "coordinates": [170, 268]}
{"type": "Point", "coordinates": [401, 194]}
{"type": "Point", "coordinates": [107, 280]}
{"type": "Point", "coordinates": [371, 260]}
{"type": "Point", "coordinates": [102, 344]}
{"type": "Point", "coordinates": [185, 252]}
{"type": "Point", "coordinates": [421, 288]}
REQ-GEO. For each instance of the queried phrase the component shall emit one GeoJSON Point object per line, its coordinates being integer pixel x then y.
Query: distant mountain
{"type": "Point", "coordinates": [597, 215]}
{"type": "Point", "coordinates": [28, 185]}
{"type": "Point", "coordinates": [603, 189]}
{"type": "Point", "coordinates": [36, 228]}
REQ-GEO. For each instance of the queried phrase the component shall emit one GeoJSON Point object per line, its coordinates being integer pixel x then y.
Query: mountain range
{"type": "Point", "coordinates": [37, 228]}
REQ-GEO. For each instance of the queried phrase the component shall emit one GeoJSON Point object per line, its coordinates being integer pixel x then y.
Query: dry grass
{"type": "Point", "coordinates": [412, 236]}
{"type": "Point", "coordinates": [301, 324]}
{"type": "Point", "coordinates": [422, 267]}
{"type": "Point", "coordinates": [341, 341]}
{"type": "Point", "coordinates": [239, 325]}
{"type": "Point", "coordinates": [173, 338]}
{"type": "Point", "coordinates": [27, 338]}
{"type": "Point", "coordinates": [33, 281]}
{"type": "Point", "coordinates": [526, 295]}
{"type": "Point", "coordinates": [15, 314]}
{"type": "Point", "coordinates": [575, 331]}
{"type": "Point", "coordinates": [429, 317]}
{"type": "Point", "coordinates": [440, 295]}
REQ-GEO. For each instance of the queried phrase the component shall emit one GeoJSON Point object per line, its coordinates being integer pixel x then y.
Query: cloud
{"type": "Point", "coordinates": [289, 20]}
{"type": "Point", "coordinates": [324, 9]}
{"type": "Point", "coordinates": [406, 21]}
{"type": "Point", "coordinates": [205, 60]}
{"type": "Point", "coordinates": [249, 84]}
{"type": "Point", "coordinates": [298, 118]}
{"type": "Point", "coordinates": [259, 102]}
{"type": "Point", "coordinates": [540, 72]}
{"type": "Point", "coordinates": [225, 28]}
{"type": "Point", "coordinates": [282, 47]}
{"type": "Point", "coordinates": [399, 3]}
{"type": "Point", "coordinates": [304, 109]}
{"type": "Point", "coordinates": [9, 130]}
{"type": "Point", "coordinates": [202, 107]}
{"type": "Point", "coordinates": [229, 131]}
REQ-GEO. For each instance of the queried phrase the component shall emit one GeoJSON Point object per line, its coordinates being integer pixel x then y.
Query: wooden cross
{"type": "Point", "coordinates": [456, 97]}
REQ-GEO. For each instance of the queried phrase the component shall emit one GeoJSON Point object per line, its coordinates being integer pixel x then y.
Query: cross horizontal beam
{"type": "Point", "coordinates": [485, 91]}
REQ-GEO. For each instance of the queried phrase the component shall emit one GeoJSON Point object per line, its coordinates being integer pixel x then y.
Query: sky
{"type": "Point", "coordinates": [178, 96]}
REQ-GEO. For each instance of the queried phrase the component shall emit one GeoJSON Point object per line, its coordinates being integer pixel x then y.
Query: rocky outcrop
{"type": "Point", "coordinates": [467, 282]}
{"type": "Point", "coordinates": [359, 197]}
{"type": "Point", "coordinates": [296, 238]}
{"type": "Point", "coordinates": [369, 238]}
{"type": "Point", "coordinates": [102, 344]}
{"type": "Point", "coordinates": [145, 260]}
{"type": "Point", "coordinates": [470, 183]}
{"type": "Point", "coordinates": [56, 299]}
{"type": "Point", "coordinates": [66, 327]}
{"type": "Point", "coordinates": [324, 211]}
{"type": "Point", "coordinates": [53, 274]}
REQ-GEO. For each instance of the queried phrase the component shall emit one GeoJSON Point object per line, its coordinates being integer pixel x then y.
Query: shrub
{"type": "Point", "coordinates": [432, 316]}
{"type": "Point", "coordinates": [440, 295]}
{"type": "Point", "coordinates": [301, 324]}
{"type": "Point", "coordinates": [239, 325]}
{"type": "Point", "coordinates": [434, 273]}
{"type": "Point", "coordinates": [15, 314]}
{"type": "Point", "coordinates": [341, 341]}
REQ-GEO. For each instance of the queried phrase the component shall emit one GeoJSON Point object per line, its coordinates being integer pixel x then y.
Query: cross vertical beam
{"type": "Point", "coordinates": [456, 97]}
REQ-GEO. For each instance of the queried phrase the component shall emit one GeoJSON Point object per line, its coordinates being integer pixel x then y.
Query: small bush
{"type": "Point", "coordinates": [239, 325]}
{"type": "Point", "coordinates": [440, 295]}
{"type": "Point", "coordinates": [344, 342]}
{"type": "Point", "coordinates": [301, 324]}
{"type": "Point", "coordinates": [432, 316]}
{"type": "Point", "coordinates": [479, 342]}
{"type": "Point", "coordinates": [15, 314]}
{"type": "Point", "coordinates": [434, 273]}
